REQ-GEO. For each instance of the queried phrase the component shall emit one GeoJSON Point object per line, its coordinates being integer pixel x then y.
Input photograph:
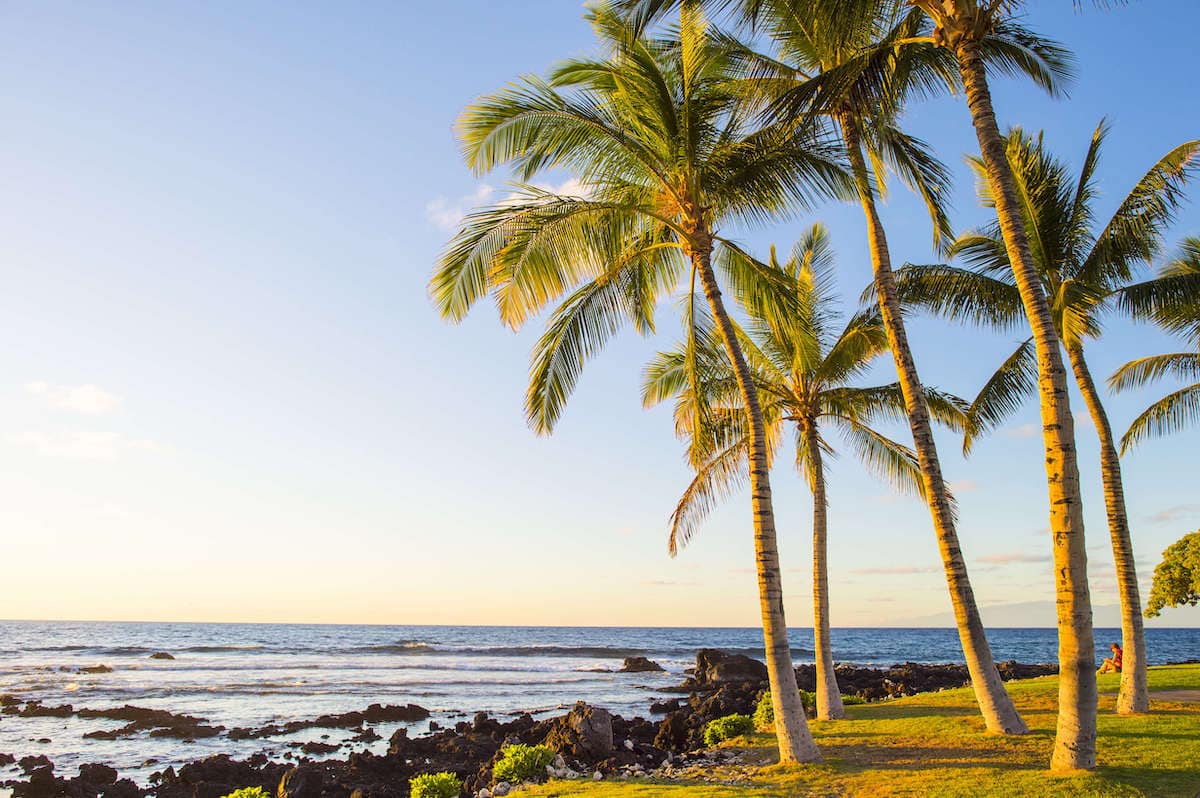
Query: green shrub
{"type": "Point", "coordinates": [519, 763]}
{"type": "Point", "coordinates": [727, 728]}
{"type": "Point", "coordinates": [435, 785]}
{"type": "Point", "coordinates": [764, 713]}
{"type": "Point", "coordinates": [249, 792]}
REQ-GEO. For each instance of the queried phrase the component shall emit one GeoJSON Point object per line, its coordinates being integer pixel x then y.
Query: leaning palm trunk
{"type": "Point", "coordinates": [1075, 739]}
{"type": "Point", "coordinates": [795, 740]}
{"type": "Point", "coordinates": [829, 697]}
{"type": "Point", "coordinates": [1134, 696]}
{"type": "Point", "coordinates": [999, 713]}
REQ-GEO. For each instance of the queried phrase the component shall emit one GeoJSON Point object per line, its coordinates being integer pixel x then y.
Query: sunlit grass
{"type": "Point", "coordinates": [935, 745]}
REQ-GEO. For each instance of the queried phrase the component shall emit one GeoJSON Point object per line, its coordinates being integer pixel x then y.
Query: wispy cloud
{"type": "Point", "coordinates": [897, 569]}
{"type": "Point", "coordinates": [1176, 513]}
{"type": "Point", "coordinates": [962, 485]}
{"type": "Point", "coordinates": [1023, 431]}
{"type": "Point", "coordinates": [665, 583]}
{"type": "Point", "coordinates": [1011, 557]}
{"type": "Point", "coordinates": [82, 444]}
{"type": "Point", "coordinates": [90, 400]}
{"type": "Point", "coordinates": [448, 214]}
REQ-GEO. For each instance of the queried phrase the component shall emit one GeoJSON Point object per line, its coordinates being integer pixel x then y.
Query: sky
{"type": "Point", "coordinates": [226, 395]}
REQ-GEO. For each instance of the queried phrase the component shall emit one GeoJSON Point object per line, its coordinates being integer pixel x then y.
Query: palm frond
{"type": "Point", "coordinates": [1173, 413]}
{"type": "Point", "coordinates": [961, 294]}
{"type": "Point", "coordinates": [715, 480]}
{"type": "Point", "coordinates": [1144, 370]}
{"type": "Point", "coordinates": [1003, 393]}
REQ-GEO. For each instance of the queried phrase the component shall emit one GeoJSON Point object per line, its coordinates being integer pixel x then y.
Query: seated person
{"type": "Point", "coordinates": [1113, 663]}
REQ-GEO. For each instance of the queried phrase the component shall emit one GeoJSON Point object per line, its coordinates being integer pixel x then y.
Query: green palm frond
{"type": "Point", "coordinates": [577, 330]}
{"type": "Point", "coordinates": [1172, 298]}
{"type": "Point", "coordinates": [961, 294]}
{"type": "Point", "coordinates": [1173, 413]}
{"type": "Point", "coordinates": [1003, 393]}
{"type": "Point", "coordinates": [1144, 370]}
{"type": "Point", "coordinates": [861, 341]}
{"type": "Point", "coordinates": [886, 403]}
{"type": "Point", "coordinates": [1012, 49]}
{"type": "Point", "coordinates": [892, 462]}
{"type": "Point", "coordinates": [1135, 232]}
{"type": "Point", "coordinates": [715, 480]}
{"type": "Point", "coordinates": [916, 165]}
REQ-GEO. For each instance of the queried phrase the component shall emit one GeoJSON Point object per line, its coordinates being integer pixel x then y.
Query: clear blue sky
{"type": "Point", "coordinates": [225, 395]}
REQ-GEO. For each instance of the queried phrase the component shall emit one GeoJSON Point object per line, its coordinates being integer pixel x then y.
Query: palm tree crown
{"type": "Point", "coordinates": [1082, 267]}
{"type": "Point", "coordinates": [802, 364]}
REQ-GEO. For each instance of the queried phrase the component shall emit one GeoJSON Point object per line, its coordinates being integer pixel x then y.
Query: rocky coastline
{"type": "Point", "coordinates": [588, 741]}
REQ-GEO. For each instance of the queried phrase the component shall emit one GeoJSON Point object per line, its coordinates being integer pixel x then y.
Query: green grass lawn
{"type": "Point", "coordinates": [935, 745]}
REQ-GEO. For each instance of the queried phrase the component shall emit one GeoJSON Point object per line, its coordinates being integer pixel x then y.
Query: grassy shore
{"type": "Point", "coordinates": [935, 745]}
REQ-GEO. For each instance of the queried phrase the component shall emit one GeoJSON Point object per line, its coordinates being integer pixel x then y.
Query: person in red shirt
{"type": "Point", "coordinates": [1113, 663]}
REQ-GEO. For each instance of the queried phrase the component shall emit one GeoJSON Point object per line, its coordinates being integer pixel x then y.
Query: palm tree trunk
{"type": "Point", "coordinates": [999, 714]}
{"type": "Point", "coordinates": [1134, 696]}
{"type": "Point", "coordinates": [791, 727]}
{"type": "Point", "coordinates": [1075, 738]}
{"type": "Point", "coordinates": [829, 697]}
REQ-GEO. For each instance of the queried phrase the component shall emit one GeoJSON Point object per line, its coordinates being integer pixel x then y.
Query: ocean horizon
{"type": "Point", "coordinates": [253, 674]}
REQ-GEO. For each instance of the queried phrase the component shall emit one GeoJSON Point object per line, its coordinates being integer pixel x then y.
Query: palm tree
{"type": "Point", "coordinates": [802, 365]}
{"type": "Point", "coordinates": [1172, 300]}
{"type": "Point", "coordinates": [854, 62]}
{"type": "Point", "coordinates": [1079, 267]}
{"type": "Point", "coordinates": [963, 27]}
{"type": "Point", "coordinates": [668, 155]}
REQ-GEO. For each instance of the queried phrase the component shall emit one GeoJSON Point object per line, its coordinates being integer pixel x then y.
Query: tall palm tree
{"type": "Point", "coordinates": [855, 63]}
{"type": "Point", "coordinates": [962, 27]}
{"type": "Point", "coordinates": [1172, 300]}
{"type": "Point", "coordinates": [802, 365]}
{"type": "Point", "coordinates": [1079, 268]}
{"type": "Point", "coordinates": [669, 156]}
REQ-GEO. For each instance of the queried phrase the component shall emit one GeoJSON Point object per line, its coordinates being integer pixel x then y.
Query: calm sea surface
{"type": "Point", "coordinates": [251, 674]}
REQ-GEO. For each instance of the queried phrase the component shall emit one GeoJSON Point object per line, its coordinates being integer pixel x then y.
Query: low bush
{"type": "Point", "coordinates": [249, 792]}
{"type": "Point", "coordinates": [727, 728]}
{"type": "Point", "coordinates": [764, 713]}
{"type": "Point", "coordinates": [435, 785]}
{"type": "Point", "coordinates": [520, 762]}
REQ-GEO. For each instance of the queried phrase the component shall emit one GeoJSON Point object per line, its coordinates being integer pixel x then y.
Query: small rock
{"type": "Point", "coordinates": [161, 655]}
{"type": "Point", "coordinates": [597, 776]}
{"type": "Point", "coordinates": [640, 665]}
{"type": "Point", "coordinates": [502, 789]}
{"type": "Point", "coordinates": [629, 745]}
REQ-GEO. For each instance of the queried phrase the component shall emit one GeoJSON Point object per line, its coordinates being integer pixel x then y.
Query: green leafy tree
{"type": "Point", "coordinates": [668, 155]}
{"type": "Point", "coordinates": [1080, 265]}
{"type": "Point", "coordinates": [1177, 577]}
{"type": "Point", "coordinates": [1172, 300]}
{"type": "Point", "coordinates": [802, 364]}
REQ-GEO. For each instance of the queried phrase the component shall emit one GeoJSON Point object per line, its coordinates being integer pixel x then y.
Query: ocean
{"type": "Point", "coordinates": [253, 674]}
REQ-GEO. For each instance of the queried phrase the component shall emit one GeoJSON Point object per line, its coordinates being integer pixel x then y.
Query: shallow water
{"type": "Point", "coordinates": [253, 674]}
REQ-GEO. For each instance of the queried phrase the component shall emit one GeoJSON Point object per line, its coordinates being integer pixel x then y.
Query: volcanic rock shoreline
{"type": "Point", "coordinates": [588, 740]}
